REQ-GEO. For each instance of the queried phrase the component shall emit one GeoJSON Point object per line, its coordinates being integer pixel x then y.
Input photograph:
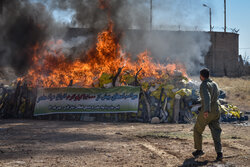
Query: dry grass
{"type": "Point", "coordinates": [237, 91]}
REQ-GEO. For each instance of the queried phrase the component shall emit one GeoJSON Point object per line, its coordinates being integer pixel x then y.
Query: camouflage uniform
{"type": "Point", "coordinates": [209, 99]}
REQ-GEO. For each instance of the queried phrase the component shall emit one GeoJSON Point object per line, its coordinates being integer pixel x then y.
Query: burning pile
{"type": "Point", "coordinates": [166, 91]}
{"type": "Point", "coordinates": [105, 65]}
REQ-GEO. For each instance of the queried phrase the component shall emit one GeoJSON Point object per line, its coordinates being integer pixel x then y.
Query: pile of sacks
{"type": "Point", "coordinates": [176, 100]}
{"type": "Point", "coordinates": [231, 113]}
{"type": "Point", "coordinates": [17, 100]}
{"type": "Point", "coordinates": [169, 99]}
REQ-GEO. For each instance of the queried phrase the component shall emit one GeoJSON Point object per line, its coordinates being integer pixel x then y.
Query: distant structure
{"type": "Point", "coordinates": [223, 56]}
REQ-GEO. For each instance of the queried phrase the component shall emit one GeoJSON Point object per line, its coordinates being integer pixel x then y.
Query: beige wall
{"type": "Point", "coordinates": [222, 59]}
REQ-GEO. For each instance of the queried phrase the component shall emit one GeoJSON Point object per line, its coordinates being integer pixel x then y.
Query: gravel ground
{"type": "Point", "coordinates": [62, 143]}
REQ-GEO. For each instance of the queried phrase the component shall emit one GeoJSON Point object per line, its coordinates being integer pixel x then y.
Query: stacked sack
{"type": "Point", "coordinates": [163, 97]}
{"type": "Point", "coordinates": [230, 113]}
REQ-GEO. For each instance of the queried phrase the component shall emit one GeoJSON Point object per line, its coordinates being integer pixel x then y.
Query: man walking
{"type": "Point", "coordinates": [209, 115]}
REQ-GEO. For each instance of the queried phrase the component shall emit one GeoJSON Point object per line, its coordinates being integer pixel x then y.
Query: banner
{"type": "Point", "coordinates": [87, 100]}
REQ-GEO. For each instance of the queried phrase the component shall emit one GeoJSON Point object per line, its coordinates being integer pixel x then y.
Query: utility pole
{"type": "Point", "coordinates": [151, 14]}
{"type": "Point", "coordinates": [210, 16]}
{"type": "Point", "coordinates": [1, 7]}
{"type": "Point", "coordinates": [225, 16]}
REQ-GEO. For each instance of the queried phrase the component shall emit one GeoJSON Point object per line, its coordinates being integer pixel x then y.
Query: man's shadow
{"type": "Point", "coordinates": [191, 162]}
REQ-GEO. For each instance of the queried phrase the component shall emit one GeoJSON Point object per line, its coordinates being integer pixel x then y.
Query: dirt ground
{"type": "Point", "coordinates": [62, 143]}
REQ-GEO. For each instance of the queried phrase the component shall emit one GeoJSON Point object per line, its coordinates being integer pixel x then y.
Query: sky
{"type": "Point", "coordinates": [192, 15]}
{"type": "Point", "coordinates": [196, 17]}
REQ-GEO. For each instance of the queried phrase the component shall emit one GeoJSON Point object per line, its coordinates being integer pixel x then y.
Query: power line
{"type": "Point", "coordinates": [244, 48]}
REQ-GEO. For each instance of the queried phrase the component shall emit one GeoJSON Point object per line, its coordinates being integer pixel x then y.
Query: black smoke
{"type": "Point", "coordinates": [23, 25]}
{"type": "Point", "coordinates": [95, 14]}
{"type": "Point", "coordinates": [26, 23]}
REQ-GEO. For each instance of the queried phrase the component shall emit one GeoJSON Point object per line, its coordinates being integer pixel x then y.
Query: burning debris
{"type": "Point", "coordinates": [173, 99]}
{"type": "Point", "coordinates": [51, 68]}
{"type": "Point", "coordinates": [166, 93]}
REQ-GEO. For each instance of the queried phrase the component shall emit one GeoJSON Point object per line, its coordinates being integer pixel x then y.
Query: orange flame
{"type": "Point", "coordinates": [52, 69]}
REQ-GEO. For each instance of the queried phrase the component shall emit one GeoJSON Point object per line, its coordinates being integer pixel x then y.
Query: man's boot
{"type": "Point", "coordinates": [219, 156]}
{"type": "Point", "coordinates": [197, 153]}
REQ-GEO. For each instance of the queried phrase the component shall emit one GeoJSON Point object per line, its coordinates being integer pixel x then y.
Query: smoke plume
{"type": "Point", "coordinates": [95, 14]}
{"type": "Point", "coordinates": [188, 48]}
{"type": "Point", "coordinates": [25, 23]}
{"type": "Point", "coordinates": [22, 26]}
{"type": "Point", "coordinates": [129, 16]}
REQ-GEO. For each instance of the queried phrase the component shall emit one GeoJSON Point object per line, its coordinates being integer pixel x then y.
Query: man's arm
{"type": "Point", "coordinates": [205, 95]}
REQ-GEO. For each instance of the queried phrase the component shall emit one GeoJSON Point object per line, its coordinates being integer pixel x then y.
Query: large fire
{"type": "Point", "coordinates": [51, 67]}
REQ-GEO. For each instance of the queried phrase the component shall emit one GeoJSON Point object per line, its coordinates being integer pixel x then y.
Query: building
{"type": "Point", "coordinates": [223, 56]}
